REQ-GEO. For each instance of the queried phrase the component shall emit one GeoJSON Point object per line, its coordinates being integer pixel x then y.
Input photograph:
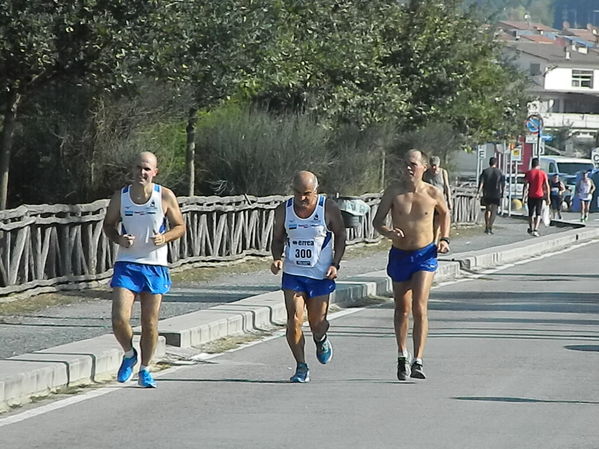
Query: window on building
{"type": "Point", "coordinates": [582, 78]}
{"type": "Point", "coordinates": [535, 69]}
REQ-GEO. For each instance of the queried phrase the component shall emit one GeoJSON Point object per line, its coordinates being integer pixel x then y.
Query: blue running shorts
{"type": "Point", "coordinates": [403, 264]}
{"type": "Point", "coordinates": [311, 287]}
{"type": "Point", "coordinates": [139, 277]}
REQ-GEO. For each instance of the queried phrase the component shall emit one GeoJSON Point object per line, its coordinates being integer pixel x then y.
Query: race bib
{"type": "Point", "coordinates": [303, 253]}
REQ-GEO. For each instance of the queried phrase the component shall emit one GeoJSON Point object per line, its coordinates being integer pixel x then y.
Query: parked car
{"type": "Point", "coordinates": [567, 168]}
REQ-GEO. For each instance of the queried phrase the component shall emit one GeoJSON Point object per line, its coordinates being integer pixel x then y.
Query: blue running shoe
{"type": "Point", "coordinates": [302, 374]}
{"type": "Point", "coordinates": [145, 379]}
{"type": "Point", "coordinates": [324, 350]}
{"type": "Point", "coordinates": [126, 368]}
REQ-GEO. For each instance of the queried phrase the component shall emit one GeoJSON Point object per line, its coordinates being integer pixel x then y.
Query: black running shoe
{"type": "Point", "coordinates": [403, 368]}
{"type": "Point", "coordinates": [417, 371]}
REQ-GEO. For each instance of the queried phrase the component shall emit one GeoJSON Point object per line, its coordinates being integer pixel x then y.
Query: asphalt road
{"type": "Point", "coordinates": [512, 362]}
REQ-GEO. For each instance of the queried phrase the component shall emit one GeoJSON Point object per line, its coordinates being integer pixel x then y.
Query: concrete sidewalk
{"type": "Point", "coordinates": [41, 372]}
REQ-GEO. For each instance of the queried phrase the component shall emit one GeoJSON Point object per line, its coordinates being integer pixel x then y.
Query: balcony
{"type": "Point", "coordinates": [575, 121]}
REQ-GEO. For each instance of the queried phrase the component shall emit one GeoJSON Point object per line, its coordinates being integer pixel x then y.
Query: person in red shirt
{"type": "Point", "coordinates": [536, 190]}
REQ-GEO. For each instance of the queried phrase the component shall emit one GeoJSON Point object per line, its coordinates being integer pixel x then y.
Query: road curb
{"type": "Point", "coordinates": [517, 251]}
{"type": "Point", "coordinates": [42, 372]}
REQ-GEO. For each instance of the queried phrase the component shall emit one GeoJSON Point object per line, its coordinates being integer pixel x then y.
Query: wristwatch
{"type": "Point", "coordinates": [444, 239]}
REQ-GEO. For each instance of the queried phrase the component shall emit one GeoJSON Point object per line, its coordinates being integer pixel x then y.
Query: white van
{"type": "Point", "coordinates": [567, 168]}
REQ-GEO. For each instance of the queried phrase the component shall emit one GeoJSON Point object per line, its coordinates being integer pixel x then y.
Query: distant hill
{"type": "Point", "coordinates": [554, 13]}
{"type": "Point", "coordinates": [538, 10]}
{"type": "Point", "coordinates": [578, 13]}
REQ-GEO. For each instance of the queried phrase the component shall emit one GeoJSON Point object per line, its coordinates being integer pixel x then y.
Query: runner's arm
{"type": "Point", "coordinates": [381, 214]}
{"type": "Point", "coordinates": [175, 219]}
{"type": "Point", "coordinates": [444, 220]}
{"type": "Point", "coordinates": [277, 244]}
{"type": "Point", "coordinates": [112, 219]}
{"type": "Point", "coordinates": [336, 225]}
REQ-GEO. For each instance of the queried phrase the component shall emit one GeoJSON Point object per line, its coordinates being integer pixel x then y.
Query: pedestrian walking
{"type": "Point", "coordinates": [491, 184]}
{"type": "Point", "coordinates": [413, 256]}
{"type": "Point", "coordinates": [536, 190]}
{"type": "Point", "coordinates": [438, 177]}
{"type": "Point", "coordinates": [556, 196]}
{"type": "Point", "coordinates": [584, 192]}
{"type": "Point", "coordinates": [309, 231]}
{"type": "Point", "coordinates": [136, 220]}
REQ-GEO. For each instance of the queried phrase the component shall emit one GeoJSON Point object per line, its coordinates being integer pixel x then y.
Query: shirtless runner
{"type": "Point", "coordinates": [413, 256]}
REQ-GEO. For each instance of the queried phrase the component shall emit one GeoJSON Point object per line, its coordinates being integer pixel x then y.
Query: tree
{"type": "Point", "coordinates": [86, 42]}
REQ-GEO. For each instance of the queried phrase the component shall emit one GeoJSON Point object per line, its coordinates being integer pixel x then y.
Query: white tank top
{"type": "Point", "coordinates": [143, 221]}
{"type": "Point", "coordinates": [309, 246]}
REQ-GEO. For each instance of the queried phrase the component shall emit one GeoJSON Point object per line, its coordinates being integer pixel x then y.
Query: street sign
{"type": "Point", "coordinates": [482, 151]}
{"type": "Point", "coordinates": [531, 138]}
{"type": "Point", "coordinates": [534, 123]}
{"type": "Point", "coordinates": [517, 154]}
{"type": "Point", "coordinates": [595, 156]}
{"type": "Point", "coordinates": [547, 137]}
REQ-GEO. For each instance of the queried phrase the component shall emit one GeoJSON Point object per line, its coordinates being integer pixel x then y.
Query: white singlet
{"type": "Point", "coordinates": [143, 221]}
{"type": "Point", "coordinates": [309, 246]}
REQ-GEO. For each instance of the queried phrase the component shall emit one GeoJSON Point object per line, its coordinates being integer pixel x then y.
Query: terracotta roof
{"type": "Point", "coordinates": [556, 53]}
{"type": "Point", "coordinates": [538, 38]}
{"type": "Point", "coordinates": [526, 26]}
{"type": "Point", "coordinates": [583, 33]}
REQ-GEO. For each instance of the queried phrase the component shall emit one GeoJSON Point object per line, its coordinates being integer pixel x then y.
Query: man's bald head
{"type": "Point", "coordinates": [148, 157]}
{"type": "Point", "coordinates": [305, 181]}
{"type": "Point", "coordinates": [418, 155]}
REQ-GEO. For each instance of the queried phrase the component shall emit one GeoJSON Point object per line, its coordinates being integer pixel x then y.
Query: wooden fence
{"type": "Point", "coordinates": [55, 247]}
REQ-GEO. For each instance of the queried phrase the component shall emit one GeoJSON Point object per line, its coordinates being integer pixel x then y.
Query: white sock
{"type": "Point", "coordinates": [143, 367]}
{"type": "Point", "coordinates": [419, 361]}
{"type": "Point", "coordinates": [130, 353]}
{"type": "Point", "coordinates": [404, 354]}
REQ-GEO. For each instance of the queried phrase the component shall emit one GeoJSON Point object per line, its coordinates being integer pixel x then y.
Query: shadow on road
{"type": "Point", "coordinates": [521, 400]}
{"type": "Point", "coordinates": [585, 348]}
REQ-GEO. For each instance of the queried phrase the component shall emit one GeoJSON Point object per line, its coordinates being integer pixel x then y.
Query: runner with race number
{"type": "Point", "coordinates": [309, 230]}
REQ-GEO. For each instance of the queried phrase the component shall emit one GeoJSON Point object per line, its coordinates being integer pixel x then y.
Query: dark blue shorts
{"type": "Point", "coordinates": [139, 277]}
{"type": "Point", "coordinates": [403, 264]}
{"type": "Point", "coordinates": [311, 287]}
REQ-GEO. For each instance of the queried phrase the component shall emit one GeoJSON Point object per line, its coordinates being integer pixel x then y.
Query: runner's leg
{"type": "Point", "coordinates": [402, 295]}
{"type": "Point", "coordinates": [294, 303]}
{"type": "Point", "coordinates": [150, 311]}
{"type": "Point", "coordinates": [421, 286]}
{"type": "Point", "coordinates": [318, 308]}
{"type": "Point", "coordinates": [122, 303]}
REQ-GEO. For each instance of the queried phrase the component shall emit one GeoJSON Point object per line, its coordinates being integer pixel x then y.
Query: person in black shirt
{"type": "Point", "coordinates": [491, 183]}
{"type": "Point", "coordinates": [557, 190]}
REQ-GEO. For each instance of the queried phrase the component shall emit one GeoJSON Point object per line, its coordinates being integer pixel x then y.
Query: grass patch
{"type": "Point", "coordinates": [208, 273]}
{"type": "Point", "coordinates": [232, 342]}
{"type": "Point", "coordinates": [39, 302]}
{"type": "Point", "coordinates": [370, 301]}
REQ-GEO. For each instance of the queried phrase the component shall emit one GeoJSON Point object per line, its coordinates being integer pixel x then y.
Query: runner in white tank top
{"type": "Point", "coordinates": [135, 220]}
{"type": "Point", "coordinates": [309, 230]}
{"type": "Point", "coordinates": [309, 246]}
{"type": "Point", "coordinates": [143, 221]}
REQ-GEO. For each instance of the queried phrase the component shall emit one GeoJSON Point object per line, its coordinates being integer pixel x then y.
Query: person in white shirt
{"type": "Point", "coordinates": [136, 220]}
{"type": "Point", "coordinates": [309, 230]}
